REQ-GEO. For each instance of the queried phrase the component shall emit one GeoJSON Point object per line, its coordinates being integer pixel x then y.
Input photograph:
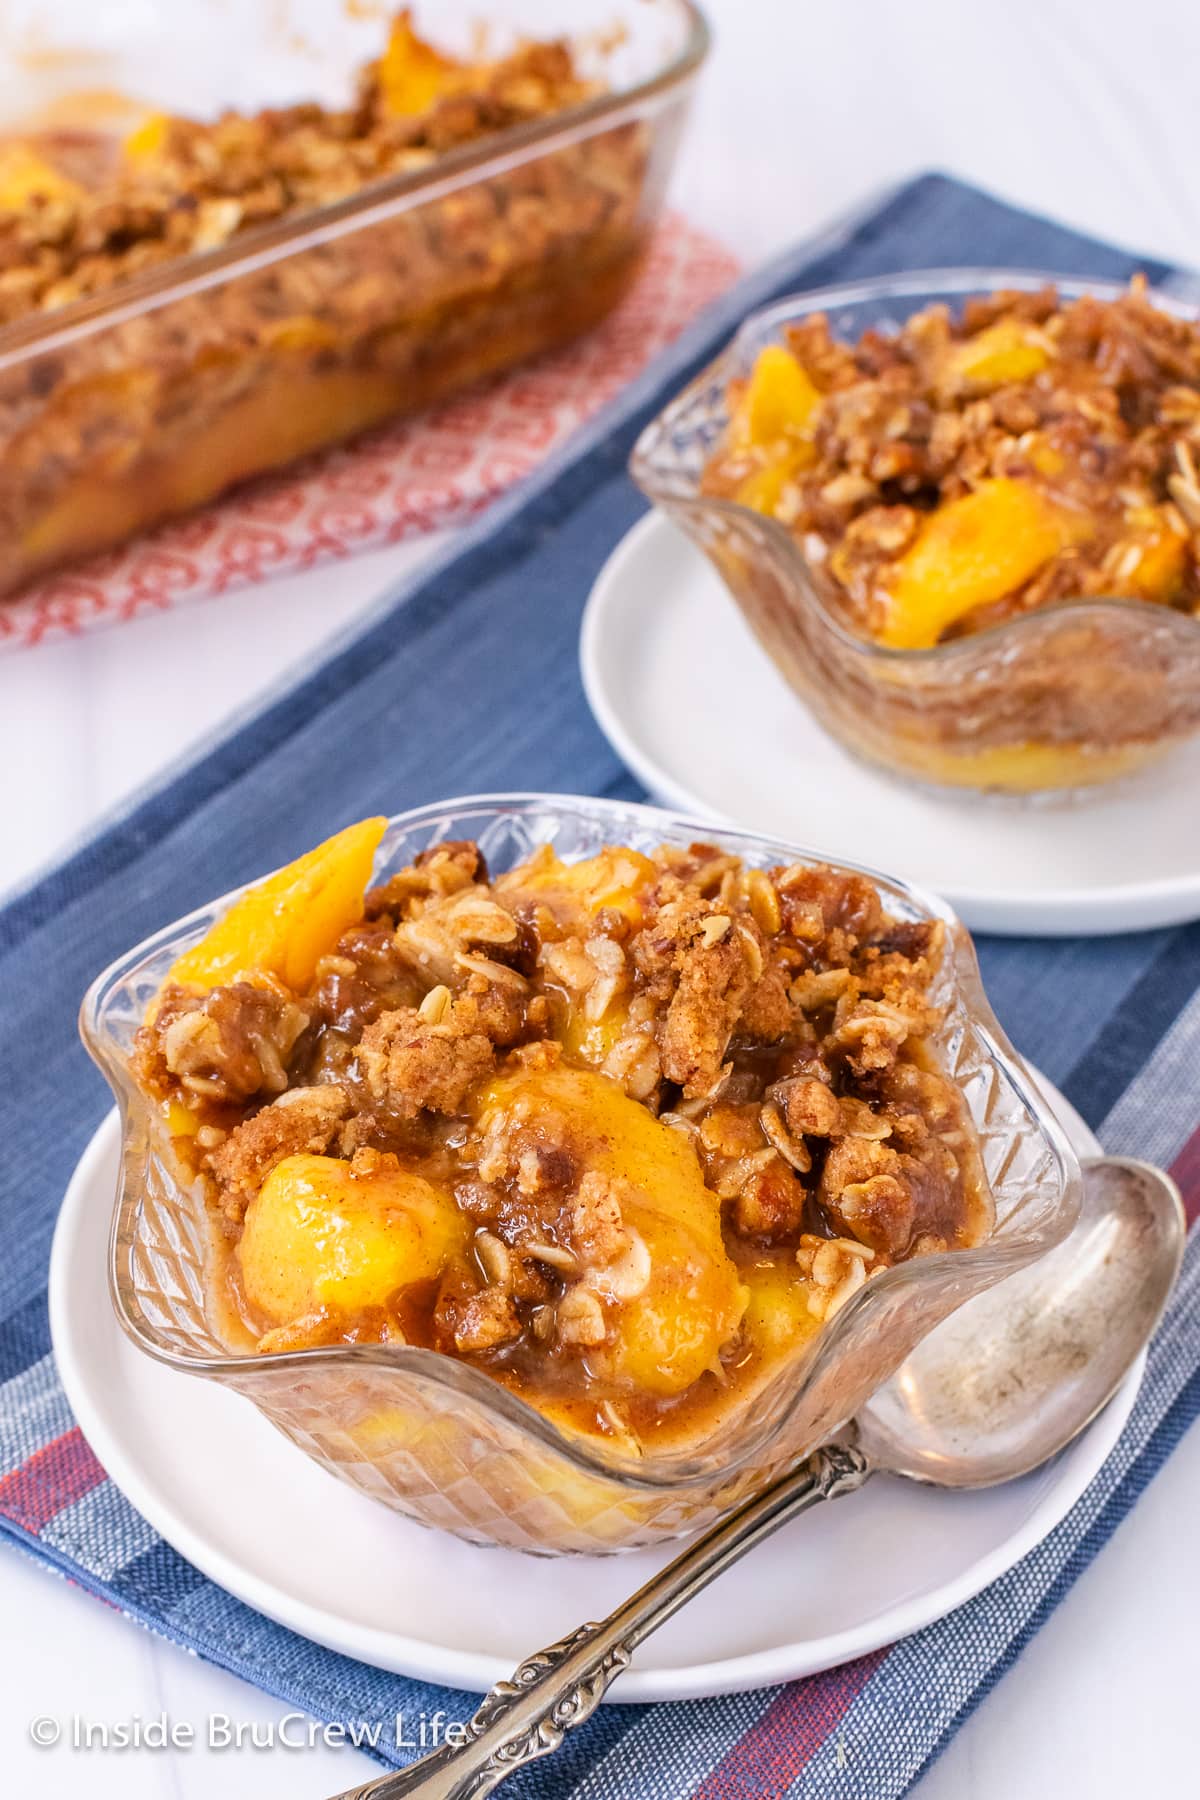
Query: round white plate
{"type": "Point", "coordinates": [689, 700]}
{"type": "Point", "coordinates": [250, 1510]}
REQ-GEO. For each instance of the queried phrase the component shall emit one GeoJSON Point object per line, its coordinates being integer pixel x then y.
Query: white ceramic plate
{"type": "Point", "coordinates": [250, 1510]}
{"type": "Point", "coordinates": [696, 708]}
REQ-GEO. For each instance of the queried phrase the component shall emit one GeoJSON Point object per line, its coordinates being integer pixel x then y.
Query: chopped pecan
{"type": "Point", "coordinates": [229, 1044]}
{"type": "Point", "coordinates": [770, 1204]}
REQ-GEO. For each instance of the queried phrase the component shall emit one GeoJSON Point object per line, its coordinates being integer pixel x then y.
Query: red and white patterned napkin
{"type": "Point", "coordinates": [408, 478]}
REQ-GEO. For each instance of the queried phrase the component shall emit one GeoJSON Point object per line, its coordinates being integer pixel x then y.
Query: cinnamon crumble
{"type": "Point", "coordinates": [624, 1133]}
{"type": "Point", "coordinates": [963, 471]}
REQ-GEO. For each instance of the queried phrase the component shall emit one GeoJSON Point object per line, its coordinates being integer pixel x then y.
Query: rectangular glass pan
{"type": "Point", "coordinates": [152, 396]}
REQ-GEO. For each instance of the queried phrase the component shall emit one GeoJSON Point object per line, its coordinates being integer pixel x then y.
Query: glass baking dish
{"type": "Point", "coordinates": [154, 395]}
{"type": "Point", "coordinates": [1060, 699]}
{"type": "Point", "coordinates": [438, 1439]}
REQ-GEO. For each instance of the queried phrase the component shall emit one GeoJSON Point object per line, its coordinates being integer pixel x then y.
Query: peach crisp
{"type": "Point", "coordinates": [372, 258]}
{"type": "Point", "coordinates": [964, 471]}
{"type": "Point", "coordinates": [621, 1133]}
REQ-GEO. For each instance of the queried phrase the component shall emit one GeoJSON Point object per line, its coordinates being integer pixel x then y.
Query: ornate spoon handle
{"type": "Point", "coordinates": [557, 1688]}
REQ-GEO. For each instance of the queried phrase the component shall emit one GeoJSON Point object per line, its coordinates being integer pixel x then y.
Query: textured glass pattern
{"type": "Point", "coordinates": [441, 1441]}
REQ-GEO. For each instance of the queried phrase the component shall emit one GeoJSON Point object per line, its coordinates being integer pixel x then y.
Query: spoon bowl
{"type": "Point", "coordinates": [996, 1390]}
{"type": "Point", "coordinates": [1012, 1377]}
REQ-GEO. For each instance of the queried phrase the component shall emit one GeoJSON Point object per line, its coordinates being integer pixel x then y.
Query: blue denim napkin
{"type": "Point", "coordinates": [466, 680]}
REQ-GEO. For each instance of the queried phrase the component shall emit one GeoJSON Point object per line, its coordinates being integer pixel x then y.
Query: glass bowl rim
{"type": "Point", "coordinates": [925, 286]}
{"type": "Point", "coordinates": [665, 1472]}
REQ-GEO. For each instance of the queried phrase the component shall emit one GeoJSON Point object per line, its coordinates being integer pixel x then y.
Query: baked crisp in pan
{"type": "Point", "coordinates": [172, 379]}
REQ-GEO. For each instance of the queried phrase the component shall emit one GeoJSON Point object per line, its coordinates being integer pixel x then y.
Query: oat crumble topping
{"type": "Point", "coordinates": [179, 185]}
{"type": "Point", "coordinates": [963, 471]}
{"type": "Point", "coordinates": [623, 1132]}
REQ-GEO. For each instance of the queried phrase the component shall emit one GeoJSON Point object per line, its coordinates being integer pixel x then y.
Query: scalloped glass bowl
{"type": "Point", "coordinates": [1060, 700]}
{"type": "Point", "coordinates": [441, 1441]}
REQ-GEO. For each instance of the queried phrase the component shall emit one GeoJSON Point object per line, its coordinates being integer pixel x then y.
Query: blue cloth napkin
{"type": "Point", "coordinates": [463, 681]}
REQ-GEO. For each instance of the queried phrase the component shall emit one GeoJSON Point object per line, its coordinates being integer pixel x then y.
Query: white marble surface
{"type": "Point", "coordinates": [1085, 112]}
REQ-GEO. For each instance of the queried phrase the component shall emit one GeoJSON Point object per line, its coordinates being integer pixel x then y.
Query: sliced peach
{"type": "Point", "coordinates": [317, 1236]}
{"type": "Point", "coordinates": [300, 331]}
{"type": "Point", "coordinates": [1151, 562]}
{"type": "Point", "coordinates": [1045, 457]}
{"type": "Point", "coordinates": [612, 879]}
{"type": "Point", "coordinates": [779, 399]}
{"type": "Point", "coordinates": [285, 925]}
{"type": "Point", "coordinates": [763, 489]}
{"type": "Point", "coordinates": [778, 1317]}
{"type": "Point", "coordinates": [590, 1040]}
{"type": "Point", "coordinates": [412, 73]}
{"type": "Point", "coordinates": [25, 176]}
{"type": "Point", "coordinates": [666, 1336]}
{"type": "Point", "coordinates": [971, 552]}
{"type": "Point", "coordinates": [180, 1120]}
{"type": "Point", "coordinates": [1009, 350]}
{"type": "Point", "coordinates": [148, 138]}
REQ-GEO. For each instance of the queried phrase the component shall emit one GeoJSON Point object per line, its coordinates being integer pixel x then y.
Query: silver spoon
{"type": "Point", "coordinates": [998, 1389]}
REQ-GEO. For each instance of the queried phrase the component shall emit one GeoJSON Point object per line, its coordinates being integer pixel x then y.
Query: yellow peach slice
{"type": "Point", "coordinates": [576, 892]}
{"type": "Point", "coordinates": [299, 331]}
{"type": "Point", "coordinates": [412, 73]}
{"type": "Point", "coordinates": [179, 1119]}
{"type": "Point", "coordinates": [1151, 562]}
{"type": "Point", "coordinates": [969, 553]}
{"type": "Point", "coordinates": [668, 1334]}
{"type": "Point", "coordinates": [591, 1040]}
{"type": "Point", "coordinates": [25, 176]}
{"type": "Point", "coordinates": [1009, 350]}
{"type": "Point", "coordinates": [284, 926]}
{"type": "Point", "coordinates": [778, 1317]}
{"type": "Point", "coordinates": [763, 490]}
{"type": "Point", "coordinates": [148, 138]}
{"type": "Point", "coordinates": [779, 399]}
{"type": "Point", "coordinates": [318, 1236]}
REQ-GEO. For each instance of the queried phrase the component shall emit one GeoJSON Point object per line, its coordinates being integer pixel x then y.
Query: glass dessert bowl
{"type": "Point", "coordinates": [978, 670]}
{"type": "Point", "coordinates": [734, 1344]}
